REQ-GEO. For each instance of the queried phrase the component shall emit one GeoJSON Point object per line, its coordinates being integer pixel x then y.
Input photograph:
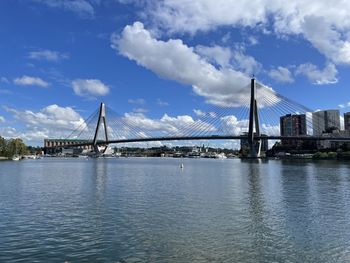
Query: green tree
{"type": "Point", "coordinates": [3, 144]}
{"type": "Point", "coordinates": [9, 148]}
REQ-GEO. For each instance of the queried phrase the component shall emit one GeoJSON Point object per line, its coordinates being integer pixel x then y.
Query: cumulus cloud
{"type": "Point", "coordinates": [52, 121]}
{"type": "Point", "coordinates": [225, 57]}
{"type": "Point", "coordinates": [271, 130]}
{"type": "Point", "coordinates": [81, 7]}
{"type": "Point", "coordinates": [175, 60]}
{"type": "Point", "coordinates": [246, 63]}
{"type": "Point", "coordinates": [281, 74]}
{"type": "Point", "coordinates": [50, 116]}
{"type": "Point", "coordinates": [231, 125]}
{"type": "Point", "coordinates": [318, 76]}
{"type": "Point", "coordinates": [30, 81]}
{"type": "Point", "coordinates": [344, 105]}
{"type": "Point", "coordinates": [201, 113]}
{"type": "Point", "coordinates": [2, 119]}
{"type": "Point", "coordinates": [324, 37]}
{"type": "Point", "coordinates": [325, 24]}
{"type": "Point", "coordinates": [215, 54]}
{"type": "Point", "coordinates": [165, 126]}
{"type": "Point", "coordinates": [89, 87]}
{"type": "Point", "coordinates": [48, 55]}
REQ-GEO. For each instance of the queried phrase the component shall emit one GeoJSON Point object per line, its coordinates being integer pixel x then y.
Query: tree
{"type": "Point", "coordinates": [2, 146]}
{"type": "Point", "coordinates": [9, 148]}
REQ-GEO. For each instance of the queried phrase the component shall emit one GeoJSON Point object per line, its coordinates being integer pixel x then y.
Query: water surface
{"type": "Point", "coordinates": [150, 210]}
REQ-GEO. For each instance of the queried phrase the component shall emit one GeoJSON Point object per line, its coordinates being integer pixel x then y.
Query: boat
{"type": "Point", "coordinates": [15, 158]}
{"type": "Point", "coordinates": [220, 156]}
{"type": "Point", "coordinates": [194, 155]}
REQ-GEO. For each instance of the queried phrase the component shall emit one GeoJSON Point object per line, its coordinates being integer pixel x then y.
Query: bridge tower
{"type": "Point", "coordinates": [101, 119]}
{"type": "Point", "coordinates": [254, 144]}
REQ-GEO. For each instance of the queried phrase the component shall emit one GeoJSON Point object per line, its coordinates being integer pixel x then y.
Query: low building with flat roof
{"type": "Point", "coordinates": [52, 146]}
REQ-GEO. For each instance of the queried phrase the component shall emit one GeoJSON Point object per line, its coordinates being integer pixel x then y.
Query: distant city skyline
{"type": "Point", "coordinates": [151, 59]}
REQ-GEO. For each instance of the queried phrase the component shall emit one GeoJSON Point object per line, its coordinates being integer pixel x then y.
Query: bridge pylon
{"type": "Point", "coordinates": [254, 128]}
{"type": "Point", "coordinates": [101, 120]}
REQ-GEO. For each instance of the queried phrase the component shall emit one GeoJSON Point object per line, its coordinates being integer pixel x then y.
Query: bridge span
{"type": "Point", "coordinates": [263, 109]}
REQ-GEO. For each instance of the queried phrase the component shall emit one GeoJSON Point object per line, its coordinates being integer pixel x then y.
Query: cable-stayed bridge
{"type": "Point", "coordinates": [255, 118]}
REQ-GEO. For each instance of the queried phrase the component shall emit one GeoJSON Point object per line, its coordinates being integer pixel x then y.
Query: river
{"type": "Point", "coordinates": [150, 210]}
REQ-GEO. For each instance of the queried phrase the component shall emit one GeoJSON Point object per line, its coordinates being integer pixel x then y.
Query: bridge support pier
{"type": "Point", "coordinates": [254, 144]}
{"type": "Point", "coordinates": [101, 120]}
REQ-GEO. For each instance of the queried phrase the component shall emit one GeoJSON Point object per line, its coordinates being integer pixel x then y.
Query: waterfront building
{"type": "Point", "coordinates": [333, 144]}
{"type": "Point", "coordinates": [347, 121]}
{"type": "Point", "coordinates": [324, 121]}
{"type": "Point", "coordinates": [293, 125]}
{"type": "Point", "coordinates": [60, 144]}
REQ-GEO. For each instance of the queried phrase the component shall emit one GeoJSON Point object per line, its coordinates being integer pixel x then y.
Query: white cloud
{"type": "Point", "coordinates": [231, 125]}
{"type": "Point", "coordinates": [52, 121]}
{"type": "Point", "coordinates": [89, 87]}
{"type": "Point", "coordinates": [201, 113]}
{"type": "Point", "coordinates": [162, 103]}
{"type": "Point", "coordinates": [174, 60]}
{"type": "Point", "coordinates": [48, 55]}
{"type": "Point", "coordinates": [226, 57]}
{"type": "Point", "coordinates": [31, 81]}
{"type": "Point", "coordinates": [271, 130]}
{"type": "Point", "coordinates": [344, 105]}
{"type": "Point", "coordinates": [81, 7]}
{"type": "Point", "coordinates": [246, 63]}
{"type": "Point", "coordinates": [138, 101]}
{"type": "Point", "coordinates": [318, 76]}
{"type": "Point", "coordinates": [324, 37]}
{"type": "Point", "coordinates": [281, 74]}
{"type": "Point", "coordinates": [324, 23]}
{"type": "Point", "coordinates": [215, 54]}
{"type": "Point", "coordinates": [50, 116]}
{"type": "Point", "coordinates": [253, 40]}
{"type": "Point", "coordinates": [165, 126]}
{"type": "Point", "coordinates": [8, 132]}
{"type": "Point", "coordinates": [2, 119]}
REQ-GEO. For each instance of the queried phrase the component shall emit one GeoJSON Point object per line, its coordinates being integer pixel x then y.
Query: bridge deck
{"type": "Point", "coordinates": [211, 137]}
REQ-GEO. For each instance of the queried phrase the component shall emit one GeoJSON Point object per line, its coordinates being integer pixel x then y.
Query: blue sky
{"type": "Point", "coordinates": [60, 58]}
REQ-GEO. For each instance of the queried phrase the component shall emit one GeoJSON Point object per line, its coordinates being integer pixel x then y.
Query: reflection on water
{"type": "Point", "coordinates": [150, 210]}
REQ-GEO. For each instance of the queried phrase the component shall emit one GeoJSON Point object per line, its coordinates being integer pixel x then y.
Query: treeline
{"type": "Point", "coordinates": [11, 147]}
{"type": "Point", "coordinates": [332, 155]}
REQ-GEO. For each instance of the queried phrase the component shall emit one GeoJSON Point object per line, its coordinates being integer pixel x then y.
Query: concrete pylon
{"type": "Point", "coordinates": [101, 119]}
{"type": "Point", "coordinates": [254, 144]}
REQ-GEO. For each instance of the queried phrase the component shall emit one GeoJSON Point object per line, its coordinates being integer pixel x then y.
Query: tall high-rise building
{"type": "Point", "coordinates": [323, 121]}
{"type": "Point", "coordinates": [347, 121]}
{"type": "Point", "coordinates": [293, 125]}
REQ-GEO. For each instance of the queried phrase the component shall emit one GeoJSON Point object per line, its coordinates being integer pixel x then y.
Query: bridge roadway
{"type": "Point", "coordinates": [211, 137]}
